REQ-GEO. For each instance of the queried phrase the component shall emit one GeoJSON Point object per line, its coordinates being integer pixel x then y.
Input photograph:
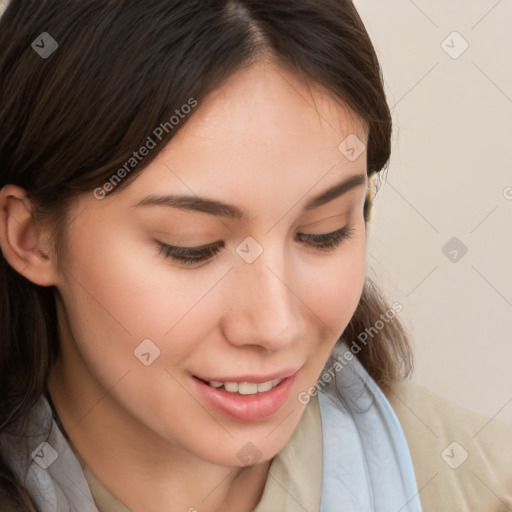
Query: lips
{"type": "Point", "coordinates": [246, 407]}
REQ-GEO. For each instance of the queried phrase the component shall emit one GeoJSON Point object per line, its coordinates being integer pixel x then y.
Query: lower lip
{"type": "Point", "coordinates": [247, 407]}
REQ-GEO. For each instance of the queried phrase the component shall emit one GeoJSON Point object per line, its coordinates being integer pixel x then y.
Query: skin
{"type": "Point", "coordinates": [265, 142]}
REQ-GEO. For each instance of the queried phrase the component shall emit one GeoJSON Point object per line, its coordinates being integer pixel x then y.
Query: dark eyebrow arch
{"type": "Point", "coordinates": [211, 206]}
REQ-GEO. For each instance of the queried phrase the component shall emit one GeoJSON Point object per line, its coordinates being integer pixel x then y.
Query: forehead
{"type": "Point", "coordinates": [266, 102]}
{"type": "Point", "coordinates": [265, 133]}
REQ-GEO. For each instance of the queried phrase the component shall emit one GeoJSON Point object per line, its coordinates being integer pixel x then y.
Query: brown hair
{"type": "Point", "coordinates": [70, 120]}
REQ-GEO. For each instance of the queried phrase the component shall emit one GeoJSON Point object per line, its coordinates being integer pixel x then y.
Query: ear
{"type": "Point", "coordinates": [24, 243]}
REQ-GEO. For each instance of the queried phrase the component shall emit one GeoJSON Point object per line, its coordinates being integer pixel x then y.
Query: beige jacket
{"type": "Point", "coordinates": [462, 460]}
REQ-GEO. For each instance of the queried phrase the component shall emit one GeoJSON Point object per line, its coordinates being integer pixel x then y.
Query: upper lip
{"type": "Point", "coordinates": [281, 374]}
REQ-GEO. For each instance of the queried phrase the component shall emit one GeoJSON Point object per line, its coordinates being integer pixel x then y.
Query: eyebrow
{"type": "Point", "coordinates": [218, 208]}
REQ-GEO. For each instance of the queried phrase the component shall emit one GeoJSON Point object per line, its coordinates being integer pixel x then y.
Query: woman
{"type": "Point", "coordinates": [187, 321]}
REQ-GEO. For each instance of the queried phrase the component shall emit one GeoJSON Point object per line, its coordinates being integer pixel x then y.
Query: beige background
{"type": "Point", "coordinates": [450, 176]}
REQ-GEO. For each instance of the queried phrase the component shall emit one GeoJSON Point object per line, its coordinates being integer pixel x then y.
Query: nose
{"type": "Point", "coordinates": [265, 304]}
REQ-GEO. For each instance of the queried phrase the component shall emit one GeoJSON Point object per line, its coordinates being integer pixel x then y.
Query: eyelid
{"type": "Point", "coordinates": [322, 220]}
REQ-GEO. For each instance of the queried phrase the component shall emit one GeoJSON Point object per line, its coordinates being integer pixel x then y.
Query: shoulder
{"type": "Point", "coordinates": [462, 459]}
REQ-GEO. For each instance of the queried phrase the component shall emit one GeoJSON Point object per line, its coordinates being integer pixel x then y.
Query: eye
{"type": "Point", "coordinates": [189, 255]}
{"type": "Point", "coordinates": [325, 242]}
{"type": "Point", "coordinates": [328, 241]}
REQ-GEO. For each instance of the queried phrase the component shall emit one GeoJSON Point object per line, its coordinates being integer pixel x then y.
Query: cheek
{"type": "Point", "coordinates": [335, 287]}
{"type": "Point", "coordinates": [331, 294]}
{"type": "Point", "coordinates": [121, 292]}
{"type": "Point", "coordinates": [121, 282]}
{"type": "Point", "coordinates": [116, 297]}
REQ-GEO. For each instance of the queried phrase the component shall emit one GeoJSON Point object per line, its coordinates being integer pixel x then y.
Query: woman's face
{"type": "Point", "coordinates": [267, 303]}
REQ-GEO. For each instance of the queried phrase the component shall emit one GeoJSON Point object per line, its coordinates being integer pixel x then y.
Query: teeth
{"type": "Point", "coordinates": [246, 388]}
{"type": "Point", "coordinates": [264, 386]}
{"type": "Point", "coordinates": [231, 386]}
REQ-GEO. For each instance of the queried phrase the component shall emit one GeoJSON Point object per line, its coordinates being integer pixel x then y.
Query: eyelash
{"type": "Point", "coordinates": [325, 242]}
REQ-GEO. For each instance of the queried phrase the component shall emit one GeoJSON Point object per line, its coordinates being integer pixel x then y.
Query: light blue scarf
{"type": "Point", "coordinates": [367, 465]}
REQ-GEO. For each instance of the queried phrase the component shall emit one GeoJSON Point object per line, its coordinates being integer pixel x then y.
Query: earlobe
{"type": "Point", "coordinates": [23, 242]}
